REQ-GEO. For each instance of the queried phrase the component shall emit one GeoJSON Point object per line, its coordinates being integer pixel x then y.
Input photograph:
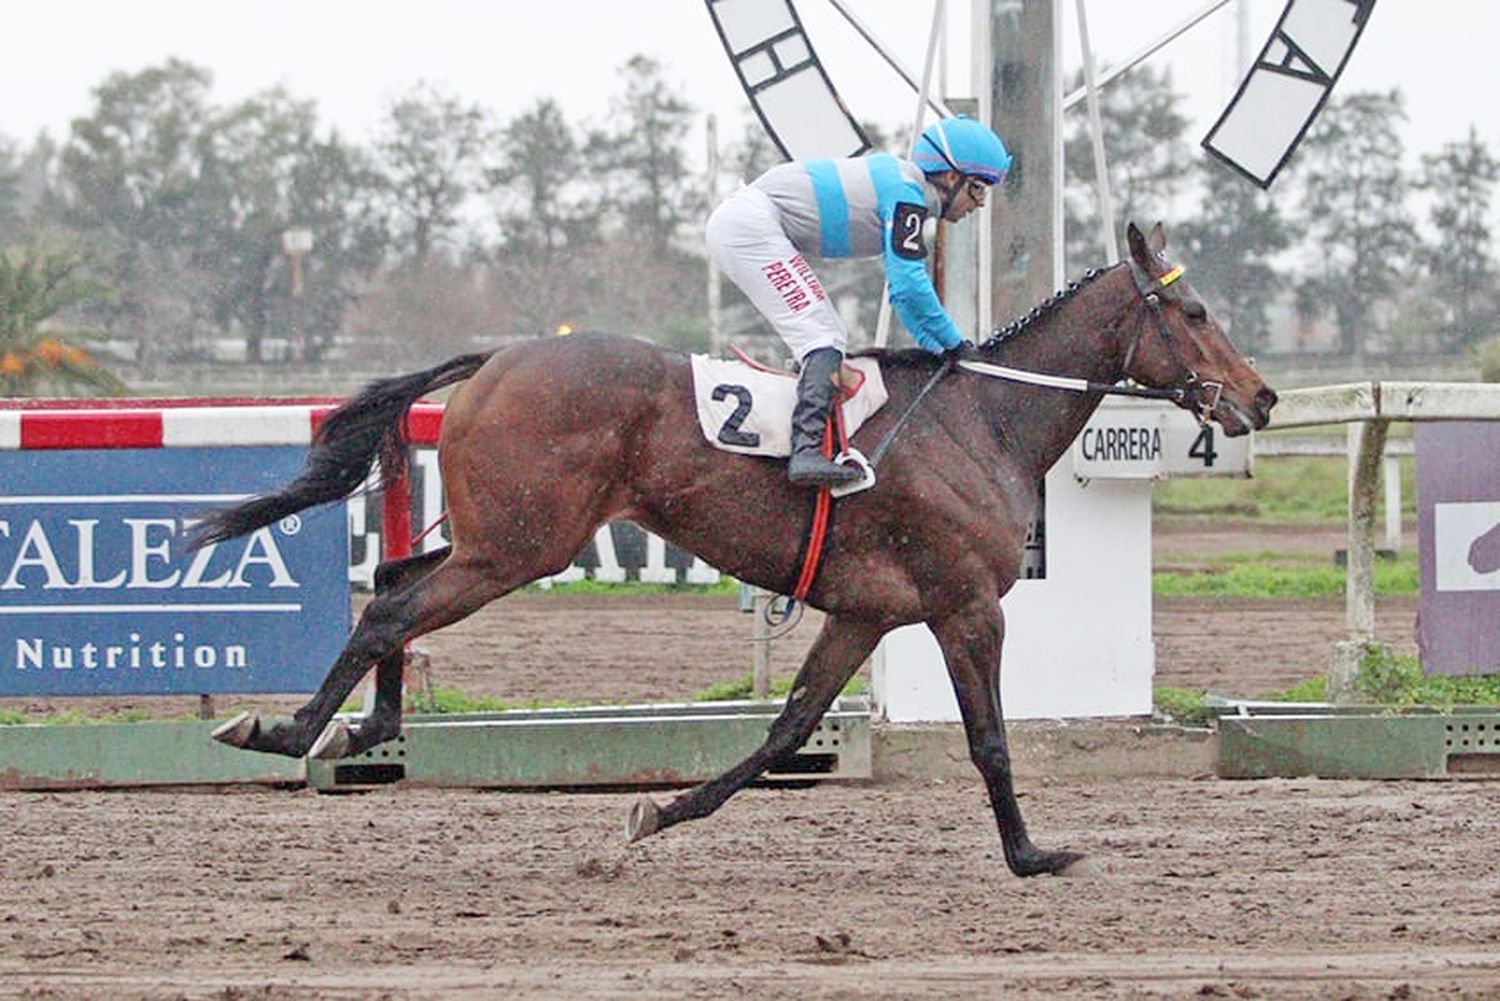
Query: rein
{"type": "Point", "coordinates": [1202, 396]}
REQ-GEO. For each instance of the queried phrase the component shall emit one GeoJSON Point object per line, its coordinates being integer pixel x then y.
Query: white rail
{"type": "Point", "coordinates": [1367, 410]}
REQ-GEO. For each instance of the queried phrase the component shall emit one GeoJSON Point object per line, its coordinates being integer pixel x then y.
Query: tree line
{"type": "Point", "coordinates": [159, 220]}
{"type": "Point", "coordinates": [1396, 258]}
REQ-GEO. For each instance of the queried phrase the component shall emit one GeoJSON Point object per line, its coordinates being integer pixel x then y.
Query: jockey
{"type": "Point", "coordinates": [865, 206]}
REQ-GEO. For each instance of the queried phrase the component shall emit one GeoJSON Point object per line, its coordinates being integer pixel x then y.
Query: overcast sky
{"type": "Point", "coordinates": [354, 56]}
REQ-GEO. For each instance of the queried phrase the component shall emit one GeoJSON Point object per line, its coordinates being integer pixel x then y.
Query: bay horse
{"type": "Point", "coordinates": [545, 441]}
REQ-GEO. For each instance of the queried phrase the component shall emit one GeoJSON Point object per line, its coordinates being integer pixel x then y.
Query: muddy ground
{"type": "Point", "coordinates": [1282, 888]}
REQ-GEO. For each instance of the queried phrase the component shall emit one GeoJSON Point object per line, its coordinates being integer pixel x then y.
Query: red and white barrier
{"type": "Point", "coordinates": [195, 423]}
{"type": "Point", "coordinates": [179, 424]}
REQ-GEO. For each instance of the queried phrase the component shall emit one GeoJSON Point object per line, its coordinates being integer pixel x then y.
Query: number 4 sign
{"type": "Point", "coordinates": [1134, 440]}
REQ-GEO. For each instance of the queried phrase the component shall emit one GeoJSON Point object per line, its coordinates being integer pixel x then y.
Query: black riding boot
{"type": "Point", "coordinates": [815, 393]}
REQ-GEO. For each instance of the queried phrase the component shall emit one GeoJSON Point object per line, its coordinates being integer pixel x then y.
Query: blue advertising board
{"type": "Point", "coordinates": [99, 594]}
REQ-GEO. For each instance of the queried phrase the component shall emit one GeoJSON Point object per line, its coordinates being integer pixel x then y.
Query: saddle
{"type": "Point", "coordinates": [747, 408]}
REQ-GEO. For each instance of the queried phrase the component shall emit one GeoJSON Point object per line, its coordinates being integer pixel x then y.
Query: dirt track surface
{"type": "Point", "coordinates": [1243, 889]}
{"type": "Point", "coordinates": [1195, 888]}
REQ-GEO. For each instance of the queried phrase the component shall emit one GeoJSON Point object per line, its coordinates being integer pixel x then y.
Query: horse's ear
{"type": "Point", "coordinates": [1157, 241]}
{"type": "Point", "coordinates": [1137, 241]}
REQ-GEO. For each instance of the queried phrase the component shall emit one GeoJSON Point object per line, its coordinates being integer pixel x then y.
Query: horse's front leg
{"type": "Point", "coordinates": [836, 654]}
{"type": "Point", "coordinates": [971, 641]}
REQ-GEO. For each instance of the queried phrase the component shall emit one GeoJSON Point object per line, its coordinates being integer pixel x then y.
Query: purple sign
{"type": "Point", "coordinates": [1458, 527]}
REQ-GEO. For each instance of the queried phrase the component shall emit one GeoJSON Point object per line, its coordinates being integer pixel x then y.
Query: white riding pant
{"type": "Point", "coordinates": [745, 237]}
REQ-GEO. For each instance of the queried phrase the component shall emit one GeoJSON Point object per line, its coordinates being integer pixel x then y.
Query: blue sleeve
{"type": "Point", "coordinates": [911, 292]}
{"type": "Point", "coordinates": [916, 302]}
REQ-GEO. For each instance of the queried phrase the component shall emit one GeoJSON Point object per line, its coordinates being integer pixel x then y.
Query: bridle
{"type": "Point", "coordinates": [1196, 395]}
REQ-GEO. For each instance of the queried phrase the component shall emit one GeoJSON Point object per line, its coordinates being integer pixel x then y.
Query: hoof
{"type": "Point", "coordinates": [1082, 867]}
{"type": "Point", "coordinates": [645, 820]}
{"type": "Point", "coordinates": [1061, 863]}
{"type": "Point", "coordinates": [237, 732]}
{"type": "Point", "coordinates": [333, 743]}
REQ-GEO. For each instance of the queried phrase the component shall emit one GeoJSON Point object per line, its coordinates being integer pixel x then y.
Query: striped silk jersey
{"type": "Point", "coordinates": [867, 206]}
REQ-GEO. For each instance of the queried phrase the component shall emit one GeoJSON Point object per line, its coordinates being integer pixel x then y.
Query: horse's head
{"type": "Point", "coordinates": [1175, 343]}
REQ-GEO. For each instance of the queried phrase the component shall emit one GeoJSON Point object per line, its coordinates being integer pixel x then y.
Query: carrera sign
{"type": "Point", "coordinates": [1130, 440]}
{"type": "Point", "coordinates": [99, 594]}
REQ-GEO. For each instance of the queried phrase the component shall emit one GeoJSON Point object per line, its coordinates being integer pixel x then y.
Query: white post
{"type": "Point", "coordinates": [715, 313]}
{"type": "Point", "coordinates": [883, 323]}
{"type": "Point", "coordinates": [1059, 251]}
{"type": "Point", "coordinates": [1392, 477]}
{"type": "Point", "coordinates": [760, 642]}
{"type": "Point", "coordinates": [979, 28]}
{"type": "Point", "coordinates": [1366, 447]}
{"type": "Point", "coordinates": [1096, 133]}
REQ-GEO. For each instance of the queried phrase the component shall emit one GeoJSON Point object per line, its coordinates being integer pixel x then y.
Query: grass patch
{"type": "Point", "coordinates": [1295, 489]}
{"type": "Point", "coordinates": [725, 586]}
{"type": "Point", "coordinates": [1392, 679]}
{"type": "Point", "coordinates": [1181, 705]}
{"type": "Point", "coordinates": [1246, 576]}
{"type": "Point", "coordinates": [76, 717]}
{"type": "Point", "coordinates": [731, 691]}
{"type": "Point", "coordinates": [440, 701]}
{"type": "Point", "coordinates": [1395, 680]}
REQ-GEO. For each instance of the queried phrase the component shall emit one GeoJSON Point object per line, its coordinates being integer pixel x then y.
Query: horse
{"type": "Point", "coordinates": [544, 441]}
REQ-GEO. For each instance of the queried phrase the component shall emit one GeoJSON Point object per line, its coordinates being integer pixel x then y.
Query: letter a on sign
{"type": "Point", "coordinates": [1287, 86]}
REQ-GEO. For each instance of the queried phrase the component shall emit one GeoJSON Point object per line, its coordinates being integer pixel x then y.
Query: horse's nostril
{"type": "Point", "coordinates": [1266, 398]}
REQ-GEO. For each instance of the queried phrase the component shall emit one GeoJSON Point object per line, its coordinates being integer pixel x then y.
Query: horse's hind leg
{"type": "Point", "coordinates": [836, 654]}
{"type": "Point", "coordinates": [383, 723]}
{"type": "Point", "coordinates": [452, 591]}
{"type": "Point", "coordinates": [971, 642]}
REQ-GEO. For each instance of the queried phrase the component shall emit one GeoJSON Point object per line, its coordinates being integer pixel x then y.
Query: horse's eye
{"type": "Point", "coordinates": [1194, 310]}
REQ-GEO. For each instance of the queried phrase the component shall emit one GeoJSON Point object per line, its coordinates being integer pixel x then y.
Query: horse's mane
{"type": "Point", "coordinates": [921, 358]}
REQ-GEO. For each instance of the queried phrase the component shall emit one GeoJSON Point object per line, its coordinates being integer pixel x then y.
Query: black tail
{"type": "Point", "coordinates": [344, 451]}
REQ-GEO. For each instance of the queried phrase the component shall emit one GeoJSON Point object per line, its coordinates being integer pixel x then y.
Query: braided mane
{"type": "Point", "coordinates": [920, 357]}
{"type": "Point", "coordinates": [1040, 310]}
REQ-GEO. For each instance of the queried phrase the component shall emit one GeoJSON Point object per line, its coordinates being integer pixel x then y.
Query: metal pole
{"type": "Point", "coordinates": [1054, 98]}
{"type": "Point", "coordinates": [883, 323]}
{"type": "Point", "coordinates": [1144, 54]}
{"type": "Point", "coordinates": [895, 64]}
{"type": "Point", "coordinates": [1096, 134]}
{"type": "Point", "coordinates": [715, 313]}
{"type": "Point", "coordinates": [979, 28]}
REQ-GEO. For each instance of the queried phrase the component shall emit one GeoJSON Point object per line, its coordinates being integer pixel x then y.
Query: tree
{"type": "Point", "coordinates": [1143, 148]}
{"type": "Point", "coordinates": [128, 177]}
{"type": "Point", "coordinates": [431, 154]}
{"type": "Point", "coordinates": [263, 169]}
{"type": "Point", "coordinates": [10, 191]}
{"type": "Point", "coordinates": [1460, 261]}
{"type": "Point", "coordinates": [1229, 246]}
{"type": "Point", "coordinates": [37, 284]}
{"type": "Point", "coordinates": [542, 165]}
{"type": "Point", "coordinates": [643, 157]}
{"type": "Point", "coordinates": [1354, 199]}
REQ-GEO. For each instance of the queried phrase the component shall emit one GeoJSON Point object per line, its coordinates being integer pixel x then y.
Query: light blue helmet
{"type": "Point", "coordinates": [964, 145]}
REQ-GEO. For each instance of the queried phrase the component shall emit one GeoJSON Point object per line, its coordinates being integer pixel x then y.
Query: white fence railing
{"type": "Point", "coordinates": [1367, 410]}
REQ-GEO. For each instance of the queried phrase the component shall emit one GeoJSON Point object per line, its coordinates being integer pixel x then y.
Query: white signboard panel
{"type": "Point", "coordinates": [1135, 440]}
{"type": "Point", "coordinates": [786, 84]}
{"type": "Point", "coordinates": [1287, 85]}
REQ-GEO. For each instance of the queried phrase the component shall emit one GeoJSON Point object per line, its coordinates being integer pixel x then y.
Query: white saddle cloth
{"type": "Point", "coordinates": [748, 410]}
